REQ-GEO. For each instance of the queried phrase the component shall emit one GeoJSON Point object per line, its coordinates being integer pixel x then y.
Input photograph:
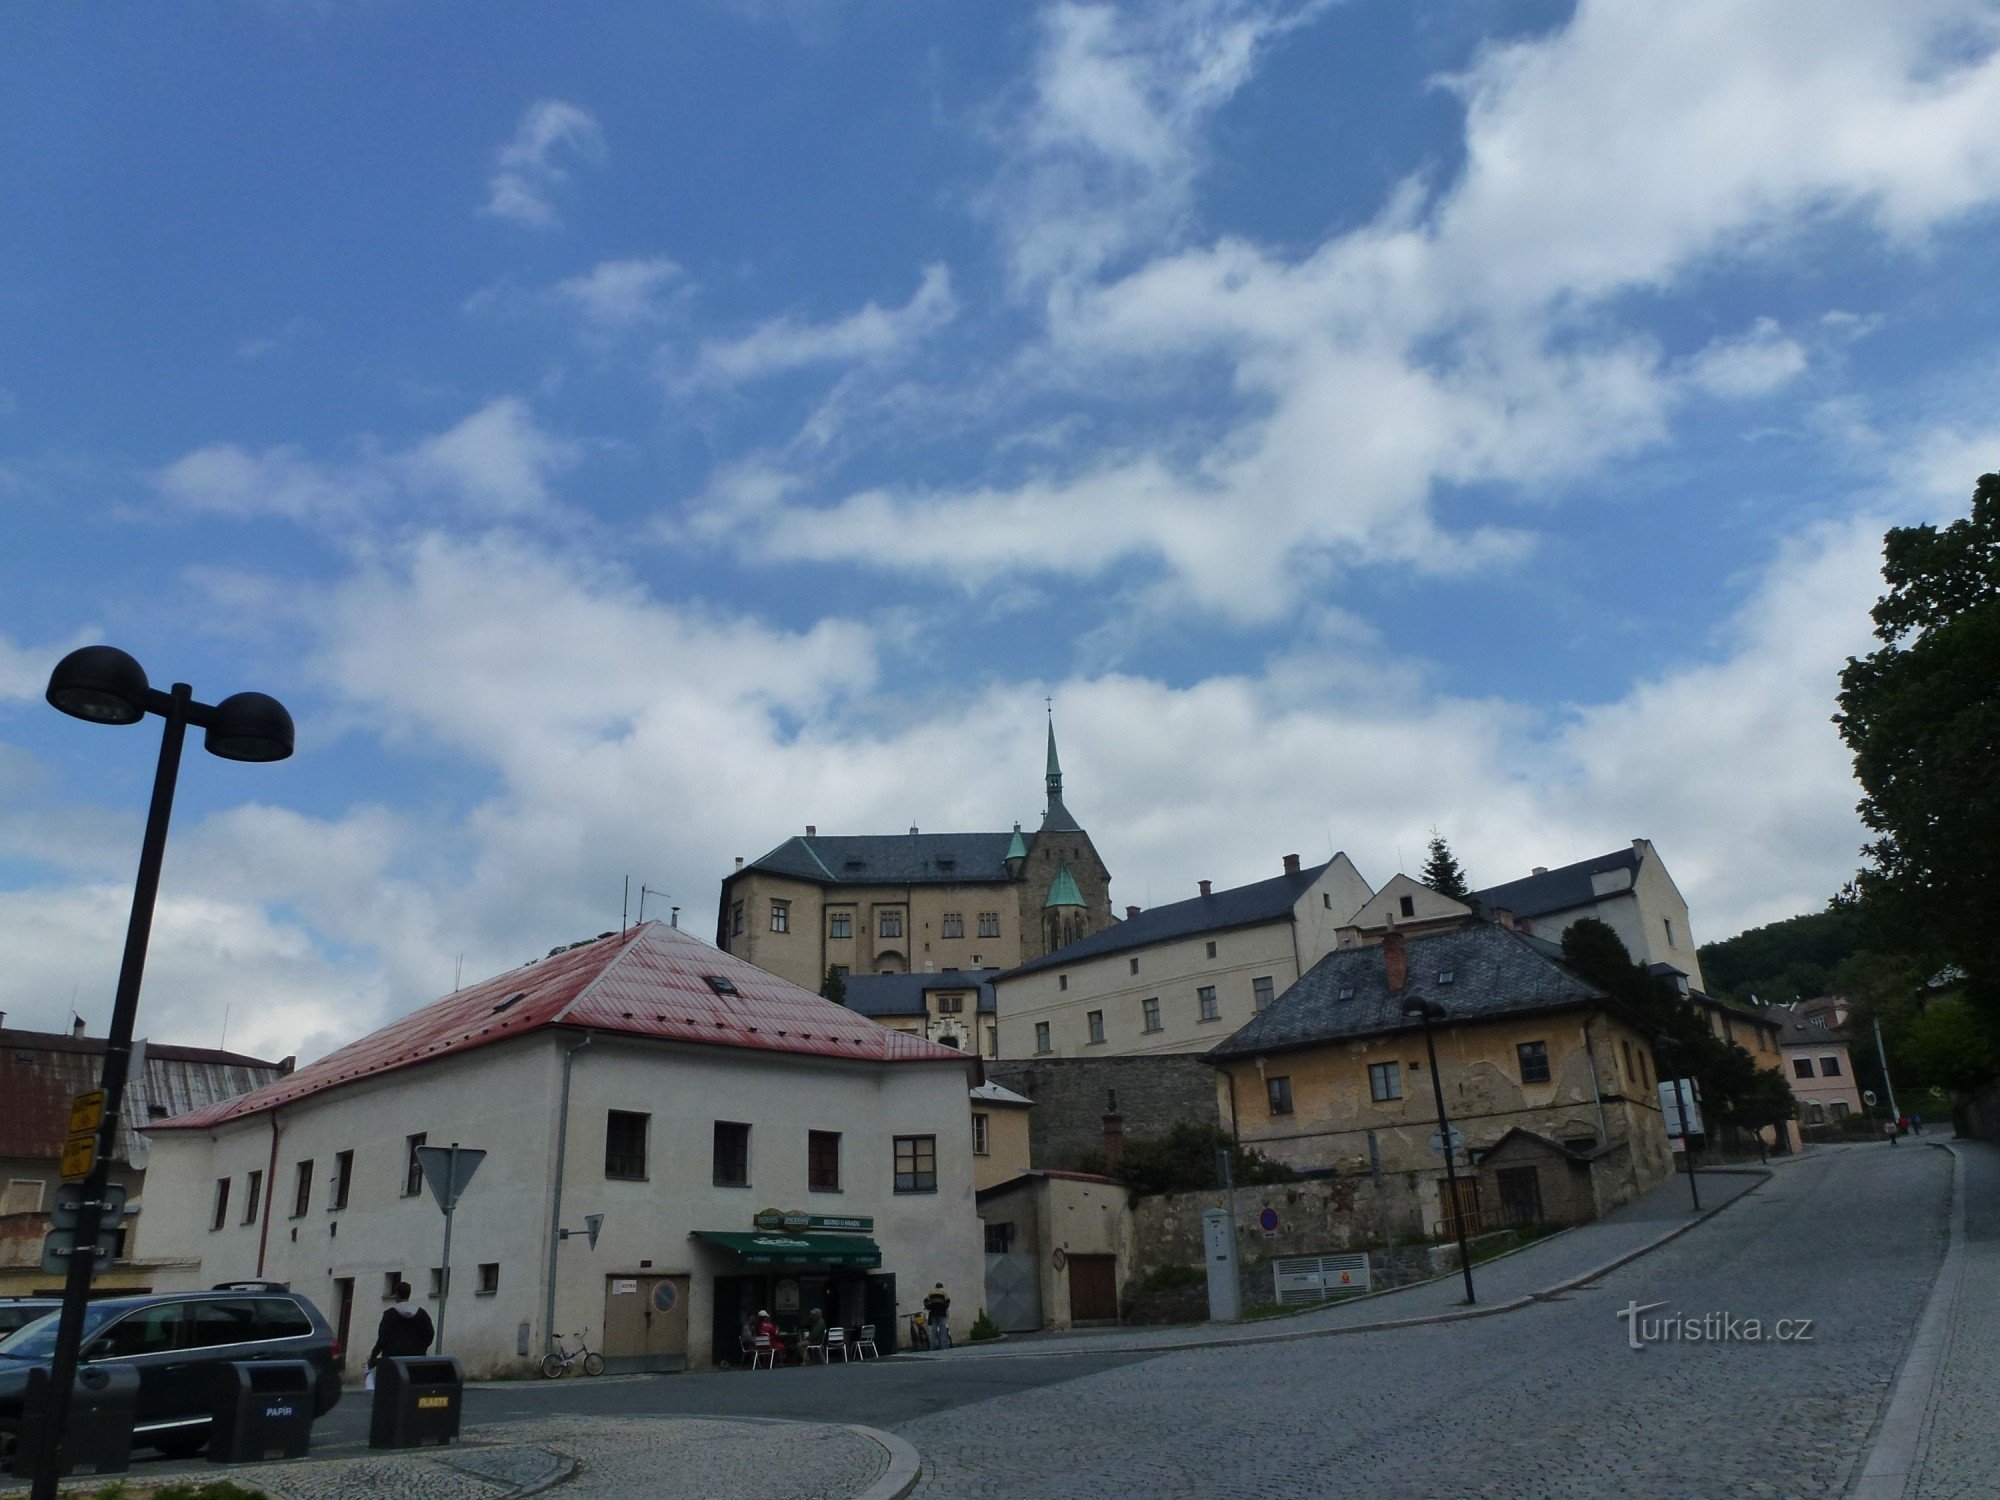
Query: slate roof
{"type": "Point", "coordinates": [1794, 1030]}
{"type": "Point", "coordinates": [41, 1071]}
{"type": "Point", "coordinates": [1245, 905]}
{"type": "Point", "coordinates": [1494, 973]}
{"type": "Point", "coordinates": [648, 981]}
{"type": "Point", "coordinates": [903, 994]}
{"type": "Point", "coordinates": [891, 858]}
{"type": "Point", "coordinates": [1559, 889]}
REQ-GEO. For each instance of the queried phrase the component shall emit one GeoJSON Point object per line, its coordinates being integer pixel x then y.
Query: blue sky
{"type": "Point", "coordinates": [623, 440]}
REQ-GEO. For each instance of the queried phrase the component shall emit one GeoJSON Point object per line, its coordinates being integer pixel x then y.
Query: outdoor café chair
{"type": "Point", "coordinates": [762, 1347]}
{"type": "Point", "coordinates": [864, 1347]}
{"type": "Point", "coordinates": [836, 1338]}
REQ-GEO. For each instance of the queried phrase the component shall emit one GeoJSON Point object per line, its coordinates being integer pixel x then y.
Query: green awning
{"type": "Point", "coordinates": [796, 1252]}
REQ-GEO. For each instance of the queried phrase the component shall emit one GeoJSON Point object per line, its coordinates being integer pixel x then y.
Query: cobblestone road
{"type": "Point", "coordinates": [1541, 1404]}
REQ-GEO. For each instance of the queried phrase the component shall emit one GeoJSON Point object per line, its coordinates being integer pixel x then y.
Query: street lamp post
{"type": "Point", "coordinates": [1428, 1011]}
{"type": "Point", "coordinates": [1674, 1051]}
{"type": "Point", "coordinates": [103, 685]}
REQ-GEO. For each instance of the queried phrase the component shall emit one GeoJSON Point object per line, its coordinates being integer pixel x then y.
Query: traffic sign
{"type": "Point", "coordinates": [59, 1247]}
{"type": "Point", "coordinates": [79, 1155]}
{"type": "Point", "coordinates": [1268, 1222]}
{"type": "Point", "coordinates": [1868, 1096]}
{"type": "Point", "coordinates": [448, 1170]}
{"type": "Point", "coordinates": [69, 1206]}
{"type": "Point", "coordinates": [86, 1112]}
{"type": "Point", "coordinates": [1457, 1141]}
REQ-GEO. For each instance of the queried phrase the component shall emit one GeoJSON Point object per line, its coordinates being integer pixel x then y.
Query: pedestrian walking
{"type": "Point", "coordinates": [405, 1329]}
{"type": "Point", "coordinates": [937, 1313]}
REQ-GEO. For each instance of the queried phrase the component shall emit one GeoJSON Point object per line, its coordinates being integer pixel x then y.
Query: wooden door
{"type": "Point", "coordinates": [1520, 1194]}
{"type": "Point", "coordinates": [1466, 1207]}
{"type": "Point", "coordinates": [645, 1322]}
{"type": "Point", "coordinates": [1093, 1289]}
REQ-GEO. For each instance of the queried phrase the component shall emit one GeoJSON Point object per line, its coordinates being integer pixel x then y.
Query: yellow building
{"type": "Point", "coordinates": [999, 1135]}
{"type": "Point", "coordinates": [917, 902]}
{"type": "Point", "coordinates": [1335, 1073]}
{"type": "Point", "coordinates": [953, 1008]}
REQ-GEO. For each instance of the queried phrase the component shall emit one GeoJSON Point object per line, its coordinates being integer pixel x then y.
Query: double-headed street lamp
{"type": "Point", "coordinates": [1427, 1011]}
{"type": "Point", "coordinates": [105, 686]}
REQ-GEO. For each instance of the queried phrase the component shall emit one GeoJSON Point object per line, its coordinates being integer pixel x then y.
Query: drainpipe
{"type": "Point", "coordinates": [1603, 1133]}
{"type": "Point", "coordinates": [270, 1192]}
{"type": "Point", "coordinates": [555, 1208]}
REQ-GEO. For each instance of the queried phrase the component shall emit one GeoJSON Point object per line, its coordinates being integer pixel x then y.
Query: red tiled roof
{"type": "Point", "coordinates": [649, 981]}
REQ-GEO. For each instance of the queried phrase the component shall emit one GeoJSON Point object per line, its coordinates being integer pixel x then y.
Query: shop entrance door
{"type": "Point", "coordinates": [1093, 1289]}
{"type": "Point", "coordinates": [645, 1323]}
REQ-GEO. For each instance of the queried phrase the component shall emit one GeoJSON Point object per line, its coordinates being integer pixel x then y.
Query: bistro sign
{"type": "Point", "coordinates": [796, 1219]}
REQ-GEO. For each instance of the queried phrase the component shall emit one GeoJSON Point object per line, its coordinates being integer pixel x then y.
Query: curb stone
{"type": "Point", "coordinates": [1896, 1446]}
{"type": "Point", "coordinates": [1514, 1305]}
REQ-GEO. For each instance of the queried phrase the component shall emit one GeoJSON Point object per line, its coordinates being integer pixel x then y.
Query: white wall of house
{"type": "Point", "coordinates": [503, 1099]}
{"type": "Point", "coordinates": [1645, 908]}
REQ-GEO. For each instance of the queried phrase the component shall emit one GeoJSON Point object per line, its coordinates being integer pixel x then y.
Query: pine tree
{"type": "Point", "coordinates": [834, 986]}
{"type": "Point", "coordinates": [1442, 872]}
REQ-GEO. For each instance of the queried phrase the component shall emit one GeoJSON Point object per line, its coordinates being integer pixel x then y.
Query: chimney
{"type": "Point", "coordinates": [1291, 864]}
{"type": "Point", "coordinates": [1395, 962]}
{"type": "Point", "coordinates": [76, 1027]}
{"type": "Point", "coordinates": [913, 830]}
{"type": "Point", "coordinates": [1130, 913]}
{"type": "Point", "coordinates": [674, 921]}
{"type": "Point", "coordinates": [1204, 887]}
{"type": "Point", "coordinates": [1539, 870]}
{"type": "Point", "coordinates": [739, 861]}
{"type": "Point", "coordinates": [811, 831]}
{"type": "Point", "coordinates": [286, 1065]}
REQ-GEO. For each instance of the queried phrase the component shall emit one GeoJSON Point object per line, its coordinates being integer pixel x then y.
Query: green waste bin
{"type": "Point", "coordinates": [97, 1438]}
{"type": "Point", "coordinates": [417, 1401]}
{"type": "Point", "coordinates": [264, 1410]}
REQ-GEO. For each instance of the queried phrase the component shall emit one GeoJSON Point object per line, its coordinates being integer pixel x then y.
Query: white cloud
{"type": "Point", "coordinates": [552, 135]}
{"type": "Point", "coordinates": [498, 461]}
{"type": "Point", "coordinates": [1468, 336]}
{"type": "Point", "coordinates": [1755, 363]}
{"type": "Point", "coordinates": [620, 294]}
{"type": "Point", "coordinates": [872, 333]}
{"type": "Point", "coordinates": [495, 463]}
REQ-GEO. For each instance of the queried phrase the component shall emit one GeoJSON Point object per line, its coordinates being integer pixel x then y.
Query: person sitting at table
{"type": "Point", "coordinates": [815, 1332]}
{"type": "Point", "coordinates": [766, 1328]}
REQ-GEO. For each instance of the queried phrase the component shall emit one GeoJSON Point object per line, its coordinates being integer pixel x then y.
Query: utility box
{"type": "Point", "coordinates": [417, 1401]}
{"type": "Point", "coordinates": [1218, 1243]}
{"type": "Point", "coordinates": [97, 1439]}
{"type": "Point", "coordinates": [264, 1410]}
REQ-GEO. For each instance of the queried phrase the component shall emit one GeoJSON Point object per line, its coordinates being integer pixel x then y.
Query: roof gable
{"type": "Point", "coordinates": [1492, 972]}
{"type": "Point", "coordinates": [904, 994]}
{"type": "Point", "coordinates": [1563, 888]}
{"type": "Point", "coordinates": [648, 981]}
{"type": "Point", "coordinates": [1260, 901]}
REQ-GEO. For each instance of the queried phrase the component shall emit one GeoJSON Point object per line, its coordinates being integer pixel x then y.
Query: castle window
{"type": "Point", "coordinates": [1042, 1043]}
{"type": "Point", "coordinates": [736, 920]}
{"type": "Point", "coordinates": [1260, 992]}
{"type": "Point", "coordinates": [1210, 1010]}
{"type": "Point", "coordinates": [1062, 981]}
{"type": "Point", "coordinates": [954, 925]}
{"type": "Point", "coordinates": [1211, 950]}
{"type": "Point", "coordinates": [1151, 1008]}
{"type": "Point", "coordinates": [781, 916]}
{"type": "Point", "coordinates": [891, 925]}
{"type": "Point", "coordinates": [989, 924]}
{"type": "Point", "coordinates": [1096, 1022]}
{"type": "Point", "coordinates": [840, 924]}
{"type": "Point", "coordinates": [1135, 965]}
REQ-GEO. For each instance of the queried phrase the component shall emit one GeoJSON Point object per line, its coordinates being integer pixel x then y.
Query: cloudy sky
{"type": "Point", "coordinates": [624, 436]}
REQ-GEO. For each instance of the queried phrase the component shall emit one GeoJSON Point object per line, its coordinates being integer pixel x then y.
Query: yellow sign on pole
{"type": "Point", "coordinates": [79, 1155]}
{"type": "Point", "coordinates": [86, 1112]}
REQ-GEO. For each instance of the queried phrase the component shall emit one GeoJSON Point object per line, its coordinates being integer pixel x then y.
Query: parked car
{"type": "Point", "coordinates": [181, 1345]}
{"type": "Point", "coordinates": [19, 1312]}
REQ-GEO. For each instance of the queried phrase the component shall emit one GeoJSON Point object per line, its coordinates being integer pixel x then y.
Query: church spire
{"type": "Point", "coordinates": [1057, 818]}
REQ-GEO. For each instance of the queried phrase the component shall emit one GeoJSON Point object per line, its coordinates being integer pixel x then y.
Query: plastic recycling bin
{"type": "Point", "coordinates": [264, 1410]}
{"type": "Point", "coordinates": [97, 1438]}
{"type": "Point", "coordinates": [417, 1401]}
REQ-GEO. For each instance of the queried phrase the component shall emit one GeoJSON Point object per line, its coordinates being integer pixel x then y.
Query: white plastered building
{"type": "Point", "coordinates": [748, 1144]}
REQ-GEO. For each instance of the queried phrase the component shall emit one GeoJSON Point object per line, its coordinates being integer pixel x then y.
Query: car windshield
{"type": "Point", "coordinates": [38, 1339]}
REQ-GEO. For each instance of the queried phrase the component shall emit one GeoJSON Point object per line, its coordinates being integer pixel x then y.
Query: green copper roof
{"type": "Point", "coordinates": [1019, 848]}
{"type": "Point", "coordinates": [1063, 891]}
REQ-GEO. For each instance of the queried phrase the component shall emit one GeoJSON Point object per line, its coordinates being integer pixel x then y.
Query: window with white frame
{"type": "Point", "coordinates": [953, 925]}
{"type": "Point", "coordinates": [989, 924]}
{"type": "Point", "coordinates": [1095, 1021]}
{"type": "Point", "coordinates": [1211, 1008]}
{"type": "Point", "coordinates": [1150, 1009]}
{"type": "Point", "coordinates": [1261, 991]}
{"type": "Point", "coordinates": [1042, 1043]}
{"type": "Point", "coordinates": [781, 916]}
{"type": "Point", "coordinates": [891, 925]}
{"type": "Point", "coordinates": [1385, 1081]}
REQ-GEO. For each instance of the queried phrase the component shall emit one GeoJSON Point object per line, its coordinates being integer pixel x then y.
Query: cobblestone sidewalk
{"type": "Point", "coordinates": [624, 1458]}
{"type": "Point", "coordinates": [1961, 1452]}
